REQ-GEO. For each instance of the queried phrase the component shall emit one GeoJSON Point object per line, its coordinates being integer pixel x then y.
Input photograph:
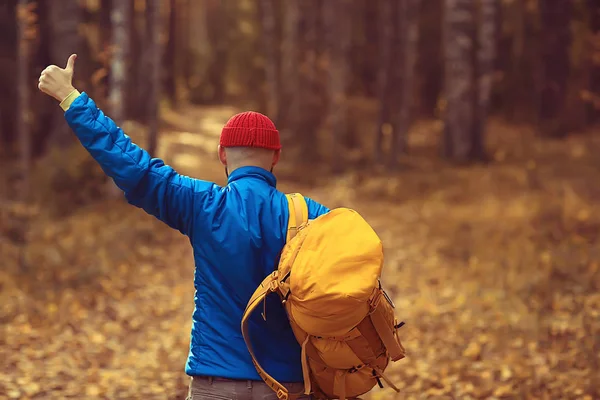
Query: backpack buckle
{"type": "Point", "coordinates": [387, 297]}
{"type": "Point", "coordinates": [281, 394]}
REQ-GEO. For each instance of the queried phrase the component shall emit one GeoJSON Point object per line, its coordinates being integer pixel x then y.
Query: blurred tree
{"type": "Point", "coordinates": [518, 61]}
{"type": "Point", "coordinates": [146, 64]}
{"type": "Point", "coordinates": [9, 41]}
{"type": "Point", "coordinates": [270, 44]}
{"type": "Point", "coordinates": [556, 34]}
{"type": "Point", "coordinates": [171, 53]}
{"type": "Point", "coordinates": [26, 21]}
{"type": "Point", "coordinates": [154, 15]}
{"type": "Point", "coordinates": [201, 50]}
{"type": "Point", "coordinates": [136, 79]}
{"type": "Point", "coordinates": [175, 54]}
{"type": "Point", "coordinates": [593, 108]}
{"type": "Point", "coordinates": [290, 98]}
{"type": "Point", "coordinates": [408, 25]}
{"type": "Point", "coordinates": [470, 49]}
{"type": "Point", "coordinates": [430, 62]}
{"type": "Point", "coordinates": [486, 55]}
{"type": "Point", "coordinates": [103, 49]}
{"type": "Point", "coordinates": [460, 86]}
{"type": "Point", "coordinates": [364, 51]}
{"type": "Point", "coordinates": [218, 24]}
{"type": "Point", "coordinates": [311, 95]}
{"type": "Point", "coordinates": [302, 98]}
{"type": "Point", "coordinates": [121, 20]}
{"type": "Point", "coordinates": [105, 23]}
{"type": "Point", "coordinates": [184, 24]}
{"type": "Point", "coordinates": [386, 41]}
{"type": "Point", "coordinates": [337, 18]}
{"type": "Point", "coordinates": [64, 20]}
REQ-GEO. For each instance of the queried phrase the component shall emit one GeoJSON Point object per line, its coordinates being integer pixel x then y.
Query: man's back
{"type": "Point", "coordinates": [237, 240]}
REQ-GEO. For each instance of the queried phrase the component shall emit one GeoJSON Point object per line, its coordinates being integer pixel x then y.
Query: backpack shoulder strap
{"type": "Point", "coordinates": [268, 285]}
{"type": "Point", "coordinates": [298, 214]}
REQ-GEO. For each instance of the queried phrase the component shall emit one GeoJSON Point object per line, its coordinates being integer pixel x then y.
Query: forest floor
{"type": "Point", "coordinates": [495, 270]}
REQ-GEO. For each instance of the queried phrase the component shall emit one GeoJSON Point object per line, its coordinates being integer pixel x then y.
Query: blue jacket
{"type": "Point", "coordinates": [236, 231]}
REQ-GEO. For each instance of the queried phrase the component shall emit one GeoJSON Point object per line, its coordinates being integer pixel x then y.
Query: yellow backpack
{"type": "Point", "coordinates": [328, 279]}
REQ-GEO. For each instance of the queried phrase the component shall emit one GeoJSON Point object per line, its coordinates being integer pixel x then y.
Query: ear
{"type": "Point", "coordinates": [276, 155]}
{"type": "Point", "coordinates": [222, 155]}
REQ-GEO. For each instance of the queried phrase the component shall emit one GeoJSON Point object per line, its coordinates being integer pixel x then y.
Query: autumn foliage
{"type": "Point", "coordinates": [494, 264]}
{"type": "Point", "coordinates": [494, 268]}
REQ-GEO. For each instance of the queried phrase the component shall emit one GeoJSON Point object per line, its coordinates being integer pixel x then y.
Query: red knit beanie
{"type": "Point", "coordinates": [250, 129]}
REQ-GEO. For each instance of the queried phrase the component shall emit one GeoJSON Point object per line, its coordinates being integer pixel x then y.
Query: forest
{"type": "Point", "coordinates": [466, 132]}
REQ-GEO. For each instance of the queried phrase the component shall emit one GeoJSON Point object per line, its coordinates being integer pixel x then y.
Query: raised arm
{"type": "Point", "coordinates": [147, 182]}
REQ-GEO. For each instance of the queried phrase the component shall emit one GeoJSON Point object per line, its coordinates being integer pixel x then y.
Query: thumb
{"type": "Point", "coordinates": [71, 63]}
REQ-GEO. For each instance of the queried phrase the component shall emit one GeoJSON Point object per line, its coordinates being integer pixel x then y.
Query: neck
{"type": "Point", "coordinates": [233, 167]}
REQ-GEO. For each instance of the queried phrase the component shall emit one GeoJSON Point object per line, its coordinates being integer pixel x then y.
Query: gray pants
{"type": "Point", "coordinates": [225, 389]}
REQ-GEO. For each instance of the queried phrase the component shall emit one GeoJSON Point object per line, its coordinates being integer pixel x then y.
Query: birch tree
{"type": "Point", "coordinates": [120, 19]}
{"type": "Point", "coordinates": [460, 83]}
{"type": "Point", "coordinates": [486, 56]}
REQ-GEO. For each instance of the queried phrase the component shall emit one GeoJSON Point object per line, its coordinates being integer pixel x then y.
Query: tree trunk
{"type": "Point", "coordinates": [431, 61]}
{"type": "Point", "coordinates": [184, 38]}
{"type": "Point", "coordinates": [311, 96]}
{"type": "Point", "coordinates": [270, 42]}
{"type": "Point", "coordinates": [459, 80]}
{"type": "Point", "coordinates": [486, 55]}
{"type": "Point", "coordinates": [336, 18]}
{"type": "Point", "coordinates": [120, 18]}
{"type": "Point", "coordinates": [65, 17]}
{"type": "Point", "coordinates": [593, 108]}
{"type": "Point", "coordinates": [171, 54]}
{"type": "Point", "coordinates": [26, 33]}
{"type": "Point", "coordinates": [9, 43]}
{"type": "Point", "coordinates": [101, 86]}
{"type": "Point", "coordinates": [217, 17]}
{"type": "Point", "coordinates": [408, 23]}
{"type": "Point", "coordinates": [200, 51]}
{"type": "Point", "coordinates": [155, 19]}
{"type": "Point", "coordinates": [135, 109]}
{"type": "Point", "coordinates": [386, 39]}
{"type": "Point", "coordinates": [289, 66]}
{"type": "Point", "coordinates": [556, 38]}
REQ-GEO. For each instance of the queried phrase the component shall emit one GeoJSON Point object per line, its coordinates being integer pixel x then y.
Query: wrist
{"type": "Point", "coordinates": [69, 98]}
{"type": "Point", "coordinates": [63, 93]}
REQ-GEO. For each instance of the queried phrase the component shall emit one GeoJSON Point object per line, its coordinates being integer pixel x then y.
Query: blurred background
{"type": "Point", "coordinates": [465, 131]}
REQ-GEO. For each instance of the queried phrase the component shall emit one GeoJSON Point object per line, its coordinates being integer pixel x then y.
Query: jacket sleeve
{"type": "Point", "coordinates": [147, 182]}
{"type": "Point", "coordinates": [315, 209]}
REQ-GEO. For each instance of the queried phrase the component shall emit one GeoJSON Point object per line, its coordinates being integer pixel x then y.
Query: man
{"type": "Point", "coordinates": [236, 232]}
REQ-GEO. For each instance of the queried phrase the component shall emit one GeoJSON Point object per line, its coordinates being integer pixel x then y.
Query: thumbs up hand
{"type": "Point", "coordinates": [56, 81]}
